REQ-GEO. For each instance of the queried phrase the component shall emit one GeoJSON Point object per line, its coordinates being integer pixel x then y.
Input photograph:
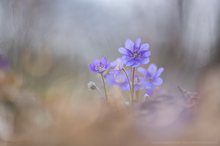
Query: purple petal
{"type": "Point", "coordinates": [118, 63]}
{"type": "Point", "coordinates": [113, 64]}
{"type": "Point", "coordinates": [145, 53]}
{"type": "Point", "coordinates": [124, 86]}
{"type": "Point", "coordinates": [159, 72]}
{"type": "Point", "coordinates": [92, 68]}
{"type": "Point", "coordinates": [107, 66]}
{"type": "Point", "coordinates": [152, 69]}
{"type": "Point", "coordinates": [148, 85]}
{"type": "Point", "coordinates": [120, 78]}
{"type": "Point", "coordinates": [137, 87]}
{"type": "Point", "coordinates": [104, 60]}
{"type": "Point", "coordinates": [124, 51]}
{"type": "Point", "coordinates": [145, 61]}
{"type": "Point", "coordinates": [138, 43]}
{"type": "Point", "coordinates": [130, 62]}
{"type": "Point", "coordinates": [149, 92]}
{"type": "Point", "coordinates": [136, 64]}
{"type": "Point", "coordinates": [110, 79]}
{"type": "Point", "coordinates": [145, 46]}
{"type": "Point", "coordinates": [142, 70]}
{"type": "Point", "coordinates": [157, 81]}
{"type": "Point", "coordinates": [129, 44]}
{"type": "Point", "coordinates": [125, 59]}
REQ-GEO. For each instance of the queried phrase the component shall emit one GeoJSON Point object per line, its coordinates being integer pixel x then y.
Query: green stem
{"type": "Point", "coordinates": [132, 83]}
{"type": "Point", "coordinates": [105, 91]}
{"type": "Point", "coordinates": [128, 84]}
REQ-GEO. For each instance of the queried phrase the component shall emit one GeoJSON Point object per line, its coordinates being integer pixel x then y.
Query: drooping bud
{"type": "Point", "coordinates": [92, 85]}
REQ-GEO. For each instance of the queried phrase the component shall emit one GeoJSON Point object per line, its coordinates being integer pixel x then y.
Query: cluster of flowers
{"type": "Point", "coordinates": [126, 71]}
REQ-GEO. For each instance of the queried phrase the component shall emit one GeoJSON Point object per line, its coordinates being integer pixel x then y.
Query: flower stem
{"type": "Point", "coordinates": [132, 84]}
{"type": "Point", "coordinates": [105, 91]}
{"type": "Point", "coordinates": [129, 83]}
{"type": "Point", "coordinates": [99, 91]}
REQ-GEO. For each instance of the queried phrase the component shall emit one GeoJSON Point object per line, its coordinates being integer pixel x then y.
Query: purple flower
{"type": "Point", "coordinates": [135, 53]}
{"type": "Point", "coordinates": [137, 83]}
{"type": "Point", "coordinates": [99, 66]}
{"type": "Point", "coordinates": [118, 78]}
{"type": "Point", "coordinates": [117, 64]}
{"type": "Point", "coordinates": [151, 78]}
{"type": "Point", "coordinates": [4, 63]}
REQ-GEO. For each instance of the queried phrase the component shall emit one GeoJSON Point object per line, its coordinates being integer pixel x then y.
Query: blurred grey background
{"type": "Point", "coordinates": [53, 41]}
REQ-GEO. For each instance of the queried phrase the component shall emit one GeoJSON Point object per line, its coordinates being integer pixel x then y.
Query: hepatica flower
{"type": "Point", "coordinates": [118, 78]}
{"type": "Point", "coordinates": [118, 64]}
{"type": "Point", "coordinates": [122, 71]}
{"type": "Point", "coordinates": [117, 75]}
{"type": "Point", "coordinates": [151, 78]}
{"type": "Point", "coordinates": [99, 66]}
{"type": "Point", "coordinates": [135, 53]}
{"type": "Point", "coordinates": [137, 83]}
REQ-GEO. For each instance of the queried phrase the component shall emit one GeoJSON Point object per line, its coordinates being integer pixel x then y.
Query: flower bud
{"type": "Point", "coordinates": [92, 85]}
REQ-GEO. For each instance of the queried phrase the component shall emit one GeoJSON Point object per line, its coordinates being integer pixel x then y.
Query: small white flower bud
{"type": "Point", "coordinates": [92, 85]}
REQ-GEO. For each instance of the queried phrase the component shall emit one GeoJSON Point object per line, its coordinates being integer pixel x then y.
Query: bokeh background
{"type": "Point", "coordinates": [50, 44]}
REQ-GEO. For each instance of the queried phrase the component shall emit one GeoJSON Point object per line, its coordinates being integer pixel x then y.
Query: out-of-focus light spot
{"type": "Point", "coordinates": [37, 63]}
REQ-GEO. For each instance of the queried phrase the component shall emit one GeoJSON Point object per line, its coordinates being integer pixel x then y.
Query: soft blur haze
{"type": "Point", "coordinates": [50, 44]}
{"type": "Point", "coordinates": [61, 37]}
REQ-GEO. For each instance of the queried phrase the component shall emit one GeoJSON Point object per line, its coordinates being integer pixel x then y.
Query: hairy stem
{"type": "Point", "coordinates": [129, 83]}
{"type": "Point", "coordinates": [105, 91]}
{"type": "Point", "coordinates": [99, 91]}
{"type": "Point", "coordinates": [132, 83]}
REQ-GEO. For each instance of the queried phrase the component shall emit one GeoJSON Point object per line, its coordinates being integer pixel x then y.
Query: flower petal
{"type": "Point", "coordinates": [110, 80]}
{"type": "Point", "coordinates": [145, 61]}
{"type": "Point", "coordinates": [157, 81]}
{"type": "Point", "coordinates": [117, 64]}
{"type": "Point", "coordinates": [137, 87]}
{"type": "Point", "coordinates": [107, 66]}
{"type": "Point", "coordinates": [137, 43]}
{"type": "Point", "coordinates": [148, 85]}
{"type": "Point", "coordinates": [159, 72]}
{"type": "Point", "coordinates": [149, 92]}
{"type": "Point", "coordinates": [129, 45]}
{"type": "Point", "coordinates": [152, 69]}
{"type": "Point", "coordinates": [145, 46]}
{"type": "Point", "coordinates": [136, 64]}
{"type": "Point", "coordinates": [125, 59]}
{"type": "Point", "coordinates": [92, 68]}
{"type": "Point", "coordinates": [124, 86]}
{"type": "Point", "coordinates": [123, 51]}
{"type": "Point", "coordinates": [104, 60]}
{"type": "Point", "coordinates": [145, 53]}
{"type": "Point", "coordinates": [130, 62]}
{"type": "Point", "coordinates": [142, 70]}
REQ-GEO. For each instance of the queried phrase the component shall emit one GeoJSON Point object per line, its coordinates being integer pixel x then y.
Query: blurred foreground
{"type": "Point", "coordinates": [27, 120]}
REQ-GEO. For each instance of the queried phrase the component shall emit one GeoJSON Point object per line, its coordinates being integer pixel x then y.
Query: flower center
{"type": "Point", "coordinates": [150, 80]}
{"type": "Point", "coordinates": [100, 67]}
{"type": "Point", "coordinates": [135, 54]}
